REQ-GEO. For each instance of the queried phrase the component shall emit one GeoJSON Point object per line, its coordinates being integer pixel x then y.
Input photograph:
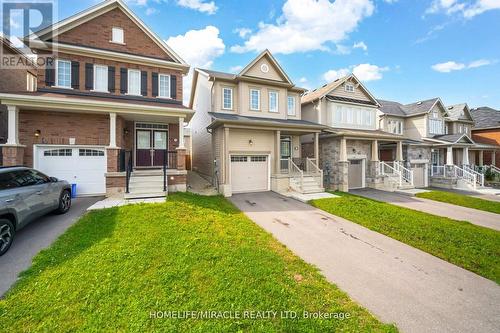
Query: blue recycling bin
{"type": "Point", "coordinates": [73, 191]}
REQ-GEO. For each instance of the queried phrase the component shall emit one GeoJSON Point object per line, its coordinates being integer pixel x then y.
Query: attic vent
{"type": "Point", "coordinates": [450, 107]}
{"type": "Point", "coordinates": [419, 103]}
{"type": "Point", "coordinates": [324, 85]}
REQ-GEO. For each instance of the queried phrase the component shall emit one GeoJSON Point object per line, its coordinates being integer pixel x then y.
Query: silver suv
{"type": "Point", "coordinates": [26, 194]}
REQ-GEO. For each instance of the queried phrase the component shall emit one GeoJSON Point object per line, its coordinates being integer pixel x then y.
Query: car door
{"type": "Point", "coordinates": [49, 190]}
{"type": "Point", "coordinates": [31, 196]}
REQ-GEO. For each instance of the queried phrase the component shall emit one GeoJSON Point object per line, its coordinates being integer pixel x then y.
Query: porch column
{"type": "Point", "coordinates": [277, 158]}
{"type": "Point", "coordinates": [375, 151]}
{"type": "Point", "coordinates": [112, 130]}
{"type": "Point", "coordinates": [12, 125]}
{"type": "Point", "coordinates": [226, 154]}
{"type": "Point", "coordinates": [481, 158]}
{"type": "Point", "coordinates": [493, 158]}
{"type": "Point", "coordinates": [465, 157]}
{"type": "Point", "coordinates": [343, 150]}
{"type": "Point", "coordinates": [399, 151]}
{"type": "Point", "coordinates": [449, 155]}
{"type": "Point", "coordinates": [181, 132]}
{"type": "Point", "coordinates": [316, 147]}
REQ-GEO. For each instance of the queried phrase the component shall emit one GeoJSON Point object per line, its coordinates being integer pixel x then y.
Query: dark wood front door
{"type": "Point", "coordinates": [151, 147]}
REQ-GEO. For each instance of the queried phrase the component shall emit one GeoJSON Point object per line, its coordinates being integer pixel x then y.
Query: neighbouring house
{"type": "Point", "coordinates": [486, 131]}
{"type": "Point", "coordinates": [349, 147]}
{"type": "Point", "coordinates": [107, 113]}
{"type": "Point", "coordinates": [19, 76]}
{"type": "Point", "coordinates": [247, 128]}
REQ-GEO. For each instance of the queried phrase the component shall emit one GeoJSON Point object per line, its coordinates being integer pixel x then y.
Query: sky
{"type": "Point", "coordinates": [402, 50]}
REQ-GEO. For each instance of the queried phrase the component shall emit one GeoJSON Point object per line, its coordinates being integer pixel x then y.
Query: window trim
{"type": "Point", "coordinates": [106, 90]}
{"type": "Point", "coordinates": [57, 85]}
{"type": "Point", "coordinates": [129, 71]}
{"type": "Point", "coordinates": [288, 106]}
{"type": "Point", "coordinates": [277, 101]}
{"type": "Point", "coordinates": [349, 85]}
{"type": "Point", "coordinates": [259, 107]}
{"type": "Point", "coordinates": [122, 35]}
{"type": "Point", "coordinates": [231, 99]}
{"type": "Point", "coordinates": [169, 93]}
{"type": "Point", "coordinates": [31, 82]}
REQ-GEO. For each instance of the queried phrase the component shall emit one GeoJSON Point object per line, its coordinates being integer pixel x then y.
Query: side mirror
{"type": "Point", "coordinates": [53, 179]}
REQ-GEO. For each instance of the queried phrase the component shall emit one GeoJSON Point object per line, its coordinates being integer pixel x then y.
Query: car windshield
{"type": "Point", "coordinates": [20, 178]}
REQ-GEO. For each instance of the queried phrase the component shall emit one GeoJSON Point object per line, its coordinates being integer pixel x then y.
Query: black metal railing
{"type": "Point", "coordinates": [127, 156]}
{"type": "Point", "coordinates": [165, 164]}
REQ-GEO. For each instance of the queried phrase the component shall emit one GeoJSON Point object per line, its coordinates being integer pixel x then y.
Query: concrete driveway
{"type": "Point", "coordinates": [35, 237]}
{"type": "Point", "coordinates": [396, 282]}
{"type": "Point", "coordinates": [474, 216]}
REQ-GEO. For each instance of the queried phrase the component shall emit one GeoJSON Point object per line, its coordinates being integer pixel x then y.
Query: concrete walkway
{"type": "Point", "coordinates": [486, 194]}
{"type": "Point", "coordinates": [397, 283]}
{"type": "Point", "coordinates": [478, 217]}
{"type": "Point", "coordinates": [37, 236]}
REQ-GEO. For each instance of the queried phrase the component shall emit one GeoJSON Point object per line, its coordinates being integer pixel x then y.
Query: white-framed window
{"type": "Point", "coordinates": [466, 129]}
{"type": "Point", "coordinates": [164, 86]}
{"type": "Point", "coordinates": [347, 116]}
{"type": "Point", "coordinates": [101, 78]}
{"type": "Point", "coordinates": [395, 126]}
{"type": "Point", "coordinates": [460, 128]}
{"type": "Point", "coordinates": [349, 87]}
{"type": "Point", "coordinates": [291, 106]}
{"type": "Point", "coordinates": [227, 98]}
{"type": "Point", "coordinates": [436, 126]}
{"type": "Point", "coordinates": [273, 101]}
{"type": "Point", "coordinates": [134, 82]}
{"type": "Point", "coordinates": [435, 114]}
{"type": "Point", "coordinates": [118, 36]}
{"type": "Point", "coordinates": [255, 99]}
{"type": "Point", "coordinates": [63, 73]}
{"type": "Point", "coordinates": [31, 84]}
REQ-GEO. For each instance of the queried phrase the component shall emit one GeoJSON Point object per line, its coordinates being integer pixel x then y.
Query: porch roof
{"type": "Point", "coordinates": [363, 134]}
{"type": "Point", "coordinates": [225, 118]}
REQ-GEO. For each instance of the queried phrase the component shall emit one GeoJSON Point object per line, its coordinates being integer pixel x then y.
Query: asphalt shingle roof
{"type": "Point", "coordinates": [457, 112]}
{"type": "Point", "coordinates": [257, 120]}
{"type": "Point", "coordinates": [397, 109]}
{"type": "Point", "coordinates": [485, 117]}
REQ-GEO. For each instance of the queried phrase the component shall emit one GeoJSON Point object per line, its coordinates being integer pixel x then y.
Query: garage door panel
{"type": "Point", "coordinates": [418, 175]}
{"type": "Point", "coordinates": [249, 173]}
{"type": "Point", "coordinates": [85, 167]}
{"type": "Point", "coordinates": [356, 174]}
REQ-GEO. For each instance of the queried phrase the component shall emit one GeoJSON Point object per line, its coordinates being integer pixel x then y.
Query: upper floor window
{"type": "Point", "coordinates": [134, 82]}
{"type": "Point", "coordinates": [395, 126]}
{"type": "Point", "coordinates": [351, 116]}
{"type": "Point", "coordinates": [435, 114]}
{"type": "Point", "coordinates": [436, 126]}
{"type": "Point", "coordinates": [118, 36]}
{"type": "Point", "coordinates": [30, 82]}
{"type": "Point", "coordinates": [349, 87]}
{"type": "Point", "coordinates": [164, 86]}
{"type": "Point", "coordinates": [291, 106]}
{"type": "Point", "coordinates": [101, 78]}
{"type": "Point", "coordinates": [255, 99]}
{"type": "Point", "coordinates": [227, 98]}
{"type": "Point", "coordinates": [460, 128]}
{"type": "Point", "coordinates": [273, 101]}
{"type": "Point", "coordinates": [63, 74]}
{"type": "Point", "coordinates": [466, 129]}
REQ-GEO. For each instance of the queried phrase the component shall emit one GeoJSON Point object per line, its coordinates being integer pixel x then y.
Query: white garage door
{"type": "Point", "coordinates": [83, 166]}
{"type": "Point", "coordinates": [418, 175]}
{"type": "Point", "coordinates": [249, 173]}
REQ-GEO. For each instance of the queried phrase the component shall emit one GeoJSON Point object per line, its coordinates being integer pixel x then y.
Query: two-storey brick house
{"type": "Point", "coordinates": [247, 128]}
{"type": "Point", "coordinates": [109, 95]}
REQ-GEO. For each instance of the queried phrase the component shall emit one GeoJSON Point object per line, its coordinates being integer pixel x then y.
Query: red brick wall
{"type": "Point", "coordinates": [491, 136]}
{"type": "Point", "coordinates": [97, 33]}
{"type": "Point", "coordinates": [58, 127]}
{"type": "Point", "coordinates": [83, 60]}
{"type": "Point", "coordinates": [173, 137]}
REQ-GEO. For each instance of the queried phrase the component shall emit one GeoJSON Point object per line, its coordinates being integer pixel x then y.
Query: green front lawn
{"type": "Point", "coordinates": [116, 268]}
{"type": "Point", "coordinates": [462, 200]}
{"type": "Point", "coordinates": [461, 243]}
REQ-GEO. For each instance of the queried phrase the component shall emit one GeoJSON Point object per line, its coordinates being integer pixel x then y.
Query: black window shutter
{"type": "Point", "coordinates": [89, 76]}
{"type": "Point", "coordinates": [123, 80]}
{"type": "Point", "coordinates": [155, 85]}
{"type": "Point", "coordinates": [173, 87]}
{"type": "Point", "coordinates": [144, 83]}
{"type": "Point", "coordinates": [75, 75]}
{"type": "Point", "coordinates": [50, 73]}
{"type": "Point", "coordinates": [111, 79]}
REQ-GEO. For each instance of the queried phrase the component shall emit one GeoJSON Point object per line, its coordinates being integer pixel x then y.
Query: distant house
{"type": "Point", "coordinates": [487, 131]}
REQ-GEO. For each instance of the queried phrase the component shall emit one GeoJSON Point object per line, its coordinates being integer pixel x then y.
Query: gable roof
{"type": "Point", "coordinates": [459, 112]}
{"type": "Point", "coordinates": [263, 54]}
{"type": "Point", "coordinates": [328, 88]}
{"type": "Point", "coordinates": [485, 117]}
{"type": "Point", "coordinates": [454, 138]}
{"type": "Point", "coordinates": [69, 23]}
{"type": "Point", "coordinates": [410, 110]}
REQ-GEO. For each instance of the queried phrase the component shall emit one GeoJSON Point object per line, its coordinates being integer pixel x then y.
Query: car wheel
{"type": "Point", "coordinates": [64, 202]}
{"type": "Point", "coordinates": [7, 233]}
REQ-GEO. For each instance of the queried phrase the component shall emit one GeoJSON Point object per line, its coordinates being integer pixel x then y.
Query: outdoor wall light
{"type": "Point", "coordinates": [125, 131]}
{"type": "Point", "coordinates": [250, 142]}
{"type": "Point", "coordinates": [37, 133]}
{"type": "Point", "coordinates": [296, 148]}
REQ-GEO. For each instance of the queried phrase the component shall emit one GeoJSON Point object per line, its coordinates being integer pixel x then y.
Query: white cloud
{"type": "Point", "coordinates": [199, 48]}
{"type": "Point", "coordinates": [360, 45]}
{"type": "Point", "coordinates": [199, 5]}
{"type": "Point", "coordinates": [303, 80]}
{"type": "Point", "coordinates": [308, 25]}
{"type": "Point", "coordinates": [364, 72]}
{"type": "Point", "coordinates": [242, 32]}
{"type": "Point", "coordinates": [467, 9]}
{"type": "Point", "coordinates": [449, 66]}
{"type": "Point", "coordinates": [151, 11]}
{"type": "Point", "coordinates": [236, 69]}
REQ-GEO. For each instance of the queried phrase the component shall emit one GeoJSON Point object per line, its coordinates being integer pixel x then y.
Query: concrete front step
{"type": "Point", "coordinates": [150, 194]}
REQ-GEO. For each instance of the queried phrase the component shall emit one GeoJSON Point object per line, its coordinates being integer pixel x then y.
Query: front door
{"type": "Point", "coordinates": [151, 147]}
